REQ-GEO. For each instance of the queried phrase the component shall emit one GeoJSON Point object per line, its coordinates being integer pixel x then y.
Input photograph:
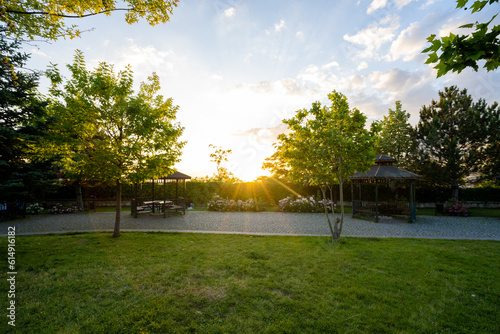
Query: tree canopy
{"type": "Point", "coordinates": [458, 52]}
{"type": "Point", "coordinates": [23, 121]}
{"type": "Point", "coordinates": [395, 135]}
{"type": "Point", "coordinates": [219, 156]}
{"type": "Point", "coordinates": [453, 136]}
{"type": "Point", "coordinates": [108, 134]}
{"type": "Point", "coordinates": [47, 19]}
{"type": "Point", "coordinates": [325, 145]}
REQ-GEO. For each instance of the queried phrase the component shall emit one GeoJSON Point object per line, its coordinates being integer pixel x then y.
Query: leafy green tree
{"type": "Point", "coordinates": [23, 121]}
{"type": "Point", "coordinates": [490, 166]}
{"type": "Point", "coordinates": [461, 51]}
{"type": "Point", "coordinates": [451, 136]}
{"type": "Point", "coordinates": [326, 145]}
{"type": "Point", "coordinates": [47, 19]}
{"type": "Point", "coordinates": [276, 164]}
{"type": "Point", "coordinates": [219, 156]}
{"type": "Point", "coordinates": [121, 137]}
{"type": "Point", "coordinates": [395, 135]}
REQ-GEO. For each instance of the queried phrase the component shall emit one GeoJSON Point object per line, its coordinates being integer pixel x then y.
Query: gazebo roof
{"type": "Point", "coordinates": [384, 170]}
{"type": "Point", "coordinates": [177, 176]}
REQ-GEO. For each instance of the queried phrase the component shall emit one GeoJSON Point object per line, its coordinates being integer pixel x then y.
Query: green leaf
{"type": "Point", "coordinates": [468, 25]}
{"type": "Point", "coordinates": [478, 5]}
{"type": "Point", "coordinates": [476, 56]}
{"type": "Point", "coordinates": [433, 58]}
{"type": "Point", "coordinates": [461, 3]}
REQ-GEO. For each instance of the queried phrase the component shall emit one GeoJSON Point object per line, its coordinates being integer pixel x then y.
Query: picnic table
{"type": "Point", "coordinates": [159, 205]}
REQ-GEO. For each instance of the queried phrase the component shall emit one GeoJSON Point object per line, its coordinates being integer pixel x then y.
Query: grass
{"type": "Point", "coordinates": [204, 283]}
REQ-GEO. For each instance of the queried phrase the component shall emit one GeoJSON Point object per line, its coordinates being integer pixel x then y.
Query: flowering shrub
{"type": "Point", "coordinates": [221, 204]}
{"type": "Point", "coordinates": [34, 209]}
{"type": "Point", "coordinates": [455, 208]}
{"type": "Point", "coordinates": [59, 208]}
{"type": "Point", "coordinates": [303, 204]}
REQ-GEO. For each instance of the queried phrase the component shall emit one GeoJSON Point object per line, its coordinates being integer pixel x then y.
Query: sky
{"type": "Point", "coordinates": [237, 68]}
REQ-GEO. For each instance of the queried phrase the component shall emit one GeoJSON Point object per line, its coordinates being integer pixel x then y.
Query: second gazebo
{"type": "Point", "coordinates": [394, 178]}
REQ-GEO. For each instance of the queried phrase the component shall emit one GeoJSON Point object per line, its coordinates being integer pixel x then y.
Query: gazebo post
{"type": "Point", "coordinates": [164, 197]}
{"type": "Point", "coordinates": [176, 189]}
{"type": "Point", "coordinates": [352, 197]}
{"type": "Point", "coordinates": [184, 198]}
{"type": "Point", "coordinates": [413, 209]}
{"type": "Point", "coordinates": [376, 202]}
{"type": "Point", "coordinates": [139, 196]}
{"type": "Point", "coordinates": [153, 195]}
{"type": "Point", "coordinates": [133, 204]}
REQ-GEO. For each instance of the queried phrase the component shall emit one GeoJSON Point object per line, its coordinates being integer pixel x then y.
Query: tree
{"type": "Point", "coordinates": [23, 121]}
{"type": "Point", "coordinates": [120, 137]}
{"type": "Point", "coordinates": [326, 145]}
{"type": "Point", "coordinates": [461, 51]}
{"type": "Point", "coordinates": [452, 133]}
{"type": "Point", "coordinates": [395, 135]}
{"type": "Point", "coordinates": [218, 156]}
{"type": "Point", "coordinates": [46, 19]}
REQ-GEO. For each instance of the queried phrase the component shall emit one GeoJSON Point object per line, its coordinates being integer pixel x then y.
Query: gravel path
{"type": "Point", "coordinates": [268, 223]}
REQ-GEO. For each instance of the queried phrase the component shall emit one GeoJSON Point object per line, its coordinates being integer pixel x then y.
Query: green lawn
{"type": "Point", "coordinates": [205, 283]}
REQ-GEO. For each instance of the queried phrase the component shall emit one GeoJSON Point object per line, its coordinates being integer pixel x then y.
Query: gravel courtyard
{"type": "Point", "coordinates": [265, 223]}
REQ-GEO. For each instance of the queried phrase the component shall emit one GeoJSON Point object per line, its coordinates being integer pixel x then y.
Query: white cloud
{"type": "Point", "coordinates": [401, 3]}
{"type": "Point", "coordinates": [143, 59]}
{"type": "Point", "coordinates": [230, 12]}
{"type": "Point", "coordinates": [363, 65]}
{"type": "Point", "coordinates": [299, 34]}
{"type": "Point", "coordinates": [372, 38]}
{"type": "Point", "coordinates": [330, 65]}
{"type": "Point", "coordinates": [217, 77]}
{"type": "Point", "coordinates": [375, 5]}
{"type": "Point", "coordinates": [280, 26]}
{"type": "Point", "coordinates": [38, 52]}
{"type": "Point", "coordinates": [409, 44]}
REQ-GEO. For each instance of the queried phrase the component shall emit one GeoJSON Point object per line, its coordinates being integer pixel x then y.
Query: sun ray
{"type": "Point", "coordinates": [285, 186]}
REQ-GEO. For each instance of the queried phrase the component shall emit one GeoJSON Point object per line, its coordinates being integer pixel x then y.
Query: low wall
{"type": "Point", "coordinates": [108, 203]}
{"type": "Point", "coordinates": [98, 203]}
{"type": "Point", "coordinates": [470, 204]}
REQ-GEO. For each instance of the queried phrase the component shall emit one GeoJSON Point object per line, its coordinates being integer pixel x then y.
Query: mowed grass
{"type": "Point", "coordinates": [208, 283]}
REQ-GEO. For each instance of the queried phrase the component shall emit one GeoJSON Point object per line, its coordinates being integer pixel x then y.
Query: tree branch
{"type": "Point", "coordinates": [70, 16]}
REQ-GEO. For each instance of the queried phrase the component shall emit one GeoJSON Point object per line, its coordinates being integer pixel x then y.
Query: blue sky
{"type": "Point", "coordinates": [237, 68]}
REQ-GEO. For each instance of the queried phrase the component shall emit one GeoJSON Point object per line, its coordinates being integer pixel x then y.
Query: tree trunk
{"type": "Point", "coordinates": [79, 196]}
{"type": "Point", "coordinates": [339, 222]}
{"type": "Point", "coordinates": [116, 233]}
{"type": "Point", "coordinates": [325, 207]}
{"type": "Point", "coordinates": [454, 190]}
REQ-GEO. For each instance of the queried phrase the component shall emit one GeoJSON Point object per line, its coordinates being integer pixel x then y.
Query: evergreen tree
{"type": "Point", "coordinates": [395, 135]}
{"type": "Point", "coordinates": [452, 133]}
{"type": "Point", "coordinates": [23, 122]}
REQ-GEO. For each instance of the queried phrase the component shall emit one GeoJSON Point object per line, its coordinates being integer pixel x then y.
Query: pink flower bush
{"type": "Point", "coordinates": [59, 208]}
{"type": "Point", "coordinates": [456, 208]}
{"type": "Point", "coordinates": [302, 204]}
{"type": "Point", "coordinates": [223, 205]}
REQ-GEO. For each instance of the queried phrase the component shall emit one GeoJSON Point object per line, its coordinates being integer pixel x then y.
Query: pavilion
{"type": "Point", "coordinates": [156, 203]}
{"type": "Point", "coordinates": [384, 173]}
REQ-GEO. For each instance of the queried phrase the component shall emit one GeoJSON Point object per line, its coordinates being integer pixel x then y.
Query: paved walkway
{"type": "Point", "coordinates": [268, 223]}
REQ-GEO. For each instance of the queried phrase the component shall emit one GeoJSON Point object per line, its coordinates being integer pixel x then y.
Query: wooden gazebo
{"type": "Point", "coordinates": [164, 205]}
{"type": "Point", "coordinates": [383, 172]}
